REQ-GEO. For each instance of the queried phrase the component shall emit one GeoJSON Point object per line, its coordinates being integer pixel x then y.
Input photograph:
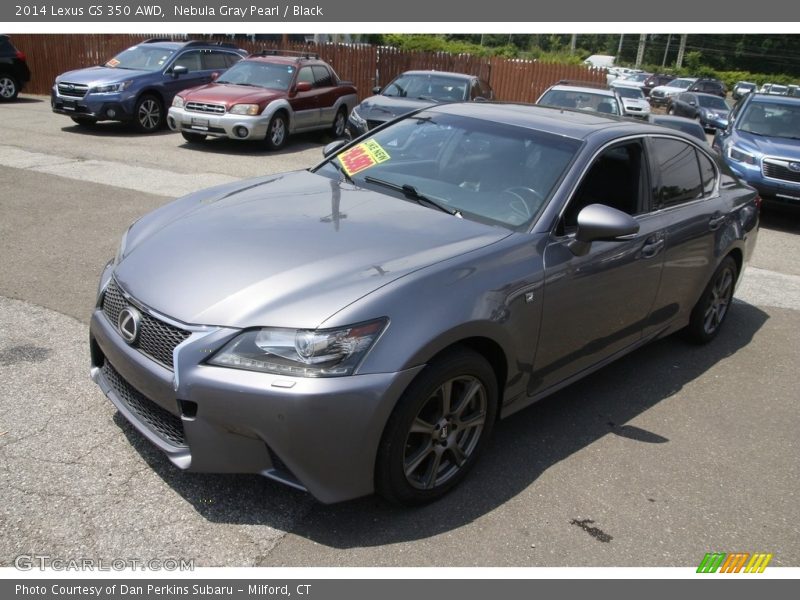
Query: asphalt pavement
{"type": "Point", "coordinates": [667, 454]}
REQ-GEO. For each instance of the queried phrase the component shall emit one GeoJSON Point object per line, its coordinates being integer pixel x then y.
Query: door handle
{"type": "Point", "coordinates": [652, 246]}
{"type": "Point", "coordinates": [715, 221]}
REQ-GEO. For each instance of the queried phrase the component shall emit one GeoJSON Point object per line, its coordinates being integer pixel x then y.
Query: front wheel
{"type": "Point", "coordinates": [149, 114]}
{"type": "Point", "coordinates": [711, 309]}
{"type": "Point", "coordinates": [277, 132]}
{"type": "Point", "coordinates": [339, 124]}
{"type": "Point", "coordinates": [438, 429]}
{"type": "Point", "coordinates": [9, 88]}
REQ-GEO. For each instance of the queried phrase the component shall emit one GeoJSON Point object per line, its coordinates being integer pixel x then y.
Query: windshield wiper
{"type": "Point", "coordinates": [409, 191]}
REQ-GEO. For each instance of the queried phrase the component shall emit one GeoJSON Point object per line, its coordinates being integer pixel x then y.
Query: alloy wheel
{"type": "Point", "coordinates": [718, 301]}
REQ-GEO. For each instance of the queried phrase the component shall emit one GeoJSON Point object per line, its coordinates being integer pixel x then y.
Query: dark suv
{"type": "Point", "coordinates": [709, 86]}
{"type": "Point", "coordinates": [654, 81]}
{"type": "Point", "coordinates": [14, 72]}
{"type": "Point", "coordinates": [139, 83]}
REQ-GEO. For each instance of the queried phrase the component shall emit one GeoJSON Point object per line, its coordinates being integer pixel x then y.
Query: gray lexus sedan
{"type": "Point", "coordinates": [360, 326]}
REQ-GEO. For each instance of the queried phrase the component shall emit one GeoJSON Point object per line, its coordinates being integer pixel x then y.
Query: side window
{"type": "Point", "coordinates": [322, 77]}
{"type": "Point", "coordinates": [305, 74]}
{"type": "Point", "coordinates": [191, 60]}
{"type": "Point", "coordinates": [616, 179]}
{"type": "Point", "coordinates": [708, 174]}
{"type": "Point", "coordinates": [678, 172]}
{"type": "Point", "coordinates": [214, 60]}
{"type": "Point", "coordinates": [231, 59]}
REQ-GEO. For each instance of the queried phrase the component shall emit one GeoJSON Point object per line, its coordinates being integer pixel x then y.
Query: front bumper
{"type": "Point", "coordinates": [236, 127]}
{"type": "Point", "coordinates": [320, 435]}
{"type": "Point", "coordinates": [98, 107]}
{"type": "Point", "coordinates": [753, 175]}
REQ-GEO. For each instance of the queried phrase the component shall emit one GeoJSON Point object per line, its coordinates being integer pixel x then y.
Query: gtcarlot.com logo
{"type": "Point", "coordinates": [736, 562]}
{"type": "Point", "coordinates": [43, 562]}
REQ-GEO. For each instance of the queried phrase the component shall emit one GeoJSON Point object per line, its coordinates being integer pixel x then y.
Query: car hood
{"type": "Point", "coordinates": [230, 94]}
{"type": "Point", "coordinates": [289, 250]}
{"type": "Point", "coordinates": [770, 146]}
{"type": "Point", "coordinates": [385, 108]}
{"type": "Point", "coordinates": [99, 75]}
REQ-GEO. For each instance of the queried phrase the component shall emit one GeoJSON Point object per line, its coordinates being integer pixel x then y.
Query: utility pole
{"type": "Point", "coordinates": [681, 50]}
{"type": "Point", "coordinates": [666, 50]}
{"type": "Point", "coordinates": [640, 51]}
{"type": "Point", "coordinates": [572, 43]}
{"type": "Point", "coordinates": [619, 48]}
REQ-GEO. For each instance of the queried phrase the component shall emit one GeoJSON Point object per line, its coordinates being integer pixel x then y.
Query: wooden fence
{"type": "Point", "coordinates": [513, 80]}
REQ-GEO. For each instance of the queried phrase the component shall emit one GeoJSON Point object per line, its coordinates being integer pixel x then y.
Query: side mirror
{"type": "Point", "coordinates": [599, 222]}
{"type": "Point", "coordinates": [214, 76]}
{"type": "Point", "coordinates": [303, 86]}
{"type": "Point", "coordinates": [480, 99]}
{"type": "Point", "coordinates": [376, 89]}
{"type": "Point", "coordinates": [333, 147]}
{"type": "Point", "coordinates": [179, 70]}
{"type": "Point", "coordinates": [693, 103]}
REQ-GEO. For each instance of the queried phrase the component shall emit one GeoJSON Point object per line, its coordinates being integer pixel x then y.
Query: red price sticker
{"type": "Point", "coordinates": [365, 155]}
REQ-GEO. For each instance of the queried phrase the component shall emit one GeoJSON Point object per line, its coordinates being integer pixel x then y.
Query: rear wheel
{"type": "Point", "coordinates": [149, 114]}
{"type": "Point", "coordinates": [9, 88]}
{"type": "Point", "coordinates": [277, 132]}
{"type": "Point", "coordinates": [711, 309]}
{"type": "Point", "coordinates": [438, 429]}
{"type": "Point", "coordinates": [193, 138]}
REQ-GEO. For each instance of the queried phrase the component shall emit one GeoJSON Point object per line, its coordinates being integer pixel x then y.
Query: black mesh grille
{"type": "Point", "coordinates": [162, 422]}
{"type": "Point", "coordinates": [780, 171]}
{"type": "Point", "coordinates": [156, 339]}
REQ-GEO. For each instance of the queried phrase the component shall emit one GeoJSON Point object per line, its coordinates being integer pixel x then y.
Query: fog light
{"type": "Point", "coordinates": [111, 113]}
{"type": "Point", "coordinates": [240, 131]}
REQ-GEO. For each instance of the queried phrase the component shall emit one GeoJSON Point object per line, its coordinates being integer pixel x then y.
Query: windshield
{"type": "Point", "coordinates": [580, 99]}
{"type": "Point", "coordinates": [141, 58]}
{"type": "Point", "coordinates": [259, 74]}
{"type": "Point", "coordinates": [629, 92]}
{"type": "Point", "coordinates": [713, 102]}
{"type": "Point", "coordinates": [471, 168]}
{"type": "Point", "coordinates": [772, 120]}
{"type": "Point", "coordinates": [637, 77]}
{"type": "Point", "coordinates": [680, 83]}
{"type": "Point", "coordinates": [428, 87]}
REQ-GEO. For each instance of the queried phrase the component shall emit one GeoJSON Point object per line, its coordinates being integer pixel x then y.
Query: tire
{"type": "Point", "coordinates": [429, 443]}
{"type": "Point", "coordinates": [277, 132]}
{"type": "Point", "coordinates": [339, 126]}
{"type": "Point", "coordinates": [709, 313]}
{"type": "Point", "coordinates": [9, 88]}
{"type": "Point", "coordinates": [148, 115]}
{"type": "Point", "coordinates": [193, 138]}
{"type": "Point", "coordinates": [83, 121]}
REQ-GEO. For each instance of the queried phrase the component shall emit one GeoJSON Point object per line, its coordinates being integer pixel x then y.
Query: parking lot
{"type": "Point", "coordinates": [667, 454]}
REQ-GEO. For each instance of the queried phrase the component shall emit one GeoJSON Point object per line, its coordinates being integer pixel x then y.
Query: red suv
{"type": "Point", "coordinates": [266, 96]}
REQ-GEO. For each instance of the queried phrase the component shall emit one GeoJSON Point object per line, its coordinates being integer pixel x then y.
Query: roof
{"type": "Point", "coordinates": [774, 98]}
{"type": "Point", "coordinates": [598, 91]}
{"type": "Point", "coordinates": [444, 73]}
{"type": "Point", "coordinates": [576, 124]}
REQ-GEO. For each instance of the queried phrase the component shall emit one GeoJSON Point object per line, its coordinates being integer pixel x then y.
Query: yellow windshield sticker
{"type": "Point", "coordinates": [365, 155]}
{"type": "Point", "coordinates": [112, 63]}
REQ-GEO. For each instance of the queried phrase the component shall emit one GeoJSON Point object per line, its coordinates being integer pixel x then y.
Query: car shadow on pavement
{"type": "Point", "coordinates": [780, 217]}
{"type": "Point", "coordinates": [28, 100]}
{"type": "Point", "coordinates": [296, 143]}
{"type": "Point", "coordinates": [111, 129]}
{"type": "Point", "coordinates": [523, 447]}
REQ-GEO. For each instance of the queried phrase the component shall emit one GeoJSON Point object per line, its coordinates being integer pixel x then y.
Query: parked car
{"type": "Point", "coordinates": [582, 97]}
{"type": "Point", "coordinates": [139, 83]}
{"type": "Point", "coordinates": [412, 90]}
{"type": "Point", "coordinates": [709, 86]}
{"type": "Point", "coordinates": [655, 81]}
{"type": "Point", "coordinates": [634, 104]}
{"type": "Point", "coordinates": [660, 94]}
{"type": "Point", "coordinates": [687, 126]}
{"type": "Point", "coordinates": [777, 89]}
{"type": "Point", "coordinates": [490, 255]}
{"type": "Point", "coordinates": [710, 111]}
{"type": "Point", "coordinates": [762, 144]}
{"type": "Point", "coordinates": [793, 90]}
{"type": "Point", "coordinates": [267, 97]}
{"type": "Point", "coordinates": [742, 88]}
{"type": "Point", "coordinates": [14, 71]}
{"type": "Point", "coordinates": [632, 80]}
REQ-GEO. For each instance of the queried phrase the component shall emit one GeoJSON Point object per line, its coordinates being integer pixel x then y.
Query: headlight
{"type": "Point", "coordinates": [177, 102]}
{"type": "Point", "coordinates": [245, 109]}
{"type": "Point", "coordinates": [357, 118]}
{"type": "Point", "coordinates": [739, 156]}
{"type": "Point", "coordinates": [300, 352]}
{"type": "Point", "coordinates": [112, 88]}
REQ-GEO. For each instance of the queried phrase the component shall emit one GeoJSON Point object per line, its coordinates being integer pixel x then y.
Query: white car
{"type": "Point", "coordinates": [634, 104]}
{"type": "Point", "coordinates": [631, 80]}
{"type": "Point", "coordinates": [578, 97]}
{"type": "Point", "coordinates": [660, 94]}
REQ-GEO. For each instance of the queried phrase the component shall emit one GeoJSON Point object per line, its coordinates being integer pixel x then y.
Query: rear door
{"type": "Point", "coordinates": [597, 305]}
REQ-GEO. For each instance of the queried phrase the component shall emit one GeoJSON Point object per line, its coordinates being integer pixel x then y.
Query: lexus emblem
{"type": "Point", "coordinates": [128, 324]}
{"type": "Point", "coordinates": [794, 166]}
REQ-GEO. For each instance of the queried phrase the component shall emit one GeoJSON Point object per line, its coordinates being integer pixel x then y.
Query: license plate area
{"type": "Point", "coordinates": [70, 105]}
{"type": "Point", "coordinates": [201, 124]}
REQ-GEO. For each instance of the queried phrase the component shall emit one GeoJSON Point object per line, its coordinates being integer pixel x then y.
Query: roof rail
{"type": "Point", "coordinates": [156, 40]}
{"type": "Point", "coordinates": [308, 55]}
{"type": "Point", "coordinates": [210, 43]}
{"type": "Point", "coordinates": [583, 83]}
